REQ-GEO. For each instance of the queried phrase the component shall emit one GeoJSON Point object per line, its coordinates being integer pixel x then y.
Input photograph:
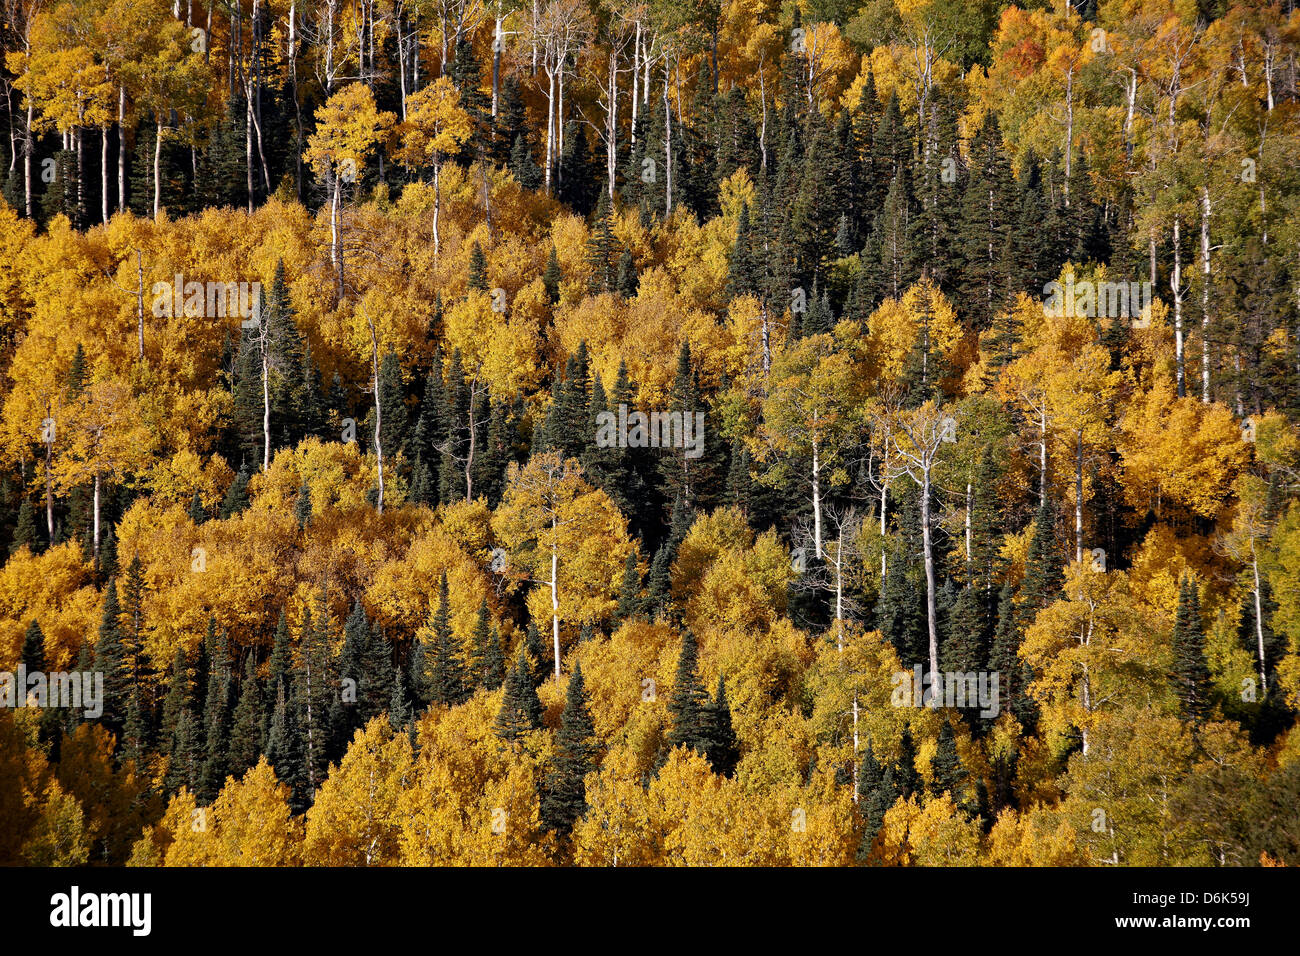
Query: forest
{"type": "Point", "coordinates": [650, 432]}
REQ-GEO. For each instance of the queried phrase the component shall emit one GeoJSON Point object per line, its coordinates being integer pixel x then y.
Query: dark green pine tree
{"type": "Point", "coordinates": [197, 513]}
{"type": "Point", "coordinates": [284, 748]}
{"type": "Point", "coordinates": [1044, 564]}
{"type": "Point", "coordinates": [564, 792]}
{"type": "Point", "coordinates": [392, 405]}
{"type": "Point", "coordinates": [723, 749]}
{"type": "Point", "coordinates": [112, 659]}
{"type": "Point", "coordinates": [177, 699]}
{"type": "Point", "coordinates": [446, 672]}
{"type": "Point", "coordinates": [477, 278]}
{"type": "Point", "coordinates": [552, 276]}
{"type": "Point", "coordinates": [949, 776]}
{"type": "Point", "coordinates": [1191, 674]}
{"type": "Point", "coordinates": [688, 473]}
{"type": "Point", "coordinates": [236, 499]}
{"type": "Point", "coordinates": [602, 249]}
{"type": "Point", "coordinates": [302, 508]}
{"type": "Point", "coordinates": [246, 729]}
{"type": "Point", "coordinates": [481, 641]}
{"type": "Point", "coordinates": [521, 710]}
{"type": "Point", "coordinates": [399, 707]}
{"type": "Point", "coordinates": [963, 647]}
{"type": "Point", "coordinates": [877, 792]}
{"type": "Point", "coordinates": [908, 780]}
{"type": "Point", "coordinates": [740, 482]}
{"type": "Point", "coordinates": [313, 691]}
{"type": "Point", "coordinates": [689, 704]}
{"type": "Point", "coordinates": [1014, 675]}
{"type": "Point", "coordinates": [216, 716]}
{"type": "Point", "coordinates": [33, 652]}
{"type": "Point", "coordinates": [522, 165]}
{"type": "Point", "coordinates": [630, 601]}
{"type": "Point", "coordinates": [629, 279]}
{"type": "Point", "coordinates": [185, 758]}
{"type": "Point", "coordinates": [537, 656]}
{"type": "Point", "coordinates": [280, 665]}
{"type": "Point", "coordinates": [25, 533]}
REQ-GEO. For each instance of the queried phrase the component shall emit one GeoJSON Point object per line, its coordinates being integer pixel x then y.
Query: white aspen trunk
{"type": "Point", "coordinates": [266, 391]}
{"type": "Point", "coordinates": [930, 611]}
{"type": "Point", "coordinates": [49, 489]}
{"type": "Point", "coordinates": [1176, 286]}
{"type": "Point", "coordinates": [668, 147]}
{"type": "Point", "coordinates": [121, 149]}
{"type": "Point", "coordinates": [103, 173]}
{"type": "Point", "coordinates": [157, 164]}
{"type": "Point", "coordinates": [1042, 458]}
{"type": "Point", "coordinates": [817, 499]}
{"type": "Point", "coordinates": [1259, 621]}
{"type": "Point", "coordinates": [379, 412]}
{"type": "Point", "coordinates": [1205, 294]}
{"type": "Point", "coordinates": [29, 146]}
{"type": "Point", "coordinates": [555, 597]}
{"type": "Point", "coordinates": [636, 63]}
{"type": "Point", "coordinates": [1078, 497]}
{"type": "Point", "coordinates": [96, 518]}
{"type": "Point", "coordinates": [884, 493]}
{"type": "Point", "coordinates": [550, 126]}
{"type": "Point", "coordinates": [969, 499]}
{"type": "Point", "coordinates": [437, 205]}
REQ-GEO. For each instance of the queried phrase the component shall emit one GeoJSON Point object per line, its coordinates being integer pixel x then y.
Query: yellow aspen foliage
{"type": "Point", "coordinates": [355, 820]}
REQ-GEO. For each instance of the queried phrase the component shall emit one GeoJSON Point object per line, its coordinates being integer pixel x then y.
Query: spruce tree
{"type": "Point", "coordinates": [1191, 674]}
{"type": "Point", "coordinates": [723, 750]}
{"type": "Point", "coordinates": [111, 659]}
{"type": "Point", "coordinates": [948, 774]}
{"type": "Point", "coordinates": [689, 704]}
{"type": "Point", "coordinates": [564, 792]}
{"type": "Point", "coordinates": [521, 710]}
{"type": "Point", "coordinates": [246, 728]}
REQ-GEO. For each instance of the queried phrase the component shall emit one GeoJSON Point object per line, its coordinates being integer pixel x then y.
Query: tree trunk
{"type": "Point", "coordinates": [121, 149]}
{"type": "Point", "coordinates": [555, 599]}
{"type": "Point", "coordinates": [930, 610]}
{"type": "Point", "coordinates": [1176, 286]}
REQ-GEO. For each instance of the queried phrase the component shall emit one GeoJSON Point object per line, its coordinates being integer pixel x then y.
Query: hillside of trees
{"type": "Point", "coordinates": [313, 314]}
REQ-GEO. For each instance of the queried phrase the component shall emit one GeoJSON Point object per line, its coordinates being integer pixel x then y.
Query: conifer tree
{"type": "Point", "coordinates": [723, 750]}
{"type": "Point", "coordinates": [1191, 674]}
{"type": "Point", "coordinates": [689, 704]}
{"type": "Point", "coordinates": [564, 792]}
{"type": "Point", "coordinates": [246, 730]}
{"type": "Point", "coordinates": [111, 659]}
{"type": "Point", "coordinates": [948, 774]}
{"type": "Point", "coordinates": [521, 710]}
{"type": "Point", "coordinates": [25, 531]}
{"type": "Point", "coordinates": [446, 673]}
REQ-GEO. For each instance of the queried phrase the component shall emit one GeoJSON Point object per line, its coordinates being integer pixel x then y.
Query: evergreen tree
{"type": "Point", "coordinates": [236, 499]}
{"type": "Point", "coordinates": [446, 673]}
{"type": "Point", "coordinates": [689, 704]}
{"type": "Point", "coordinates": [1191, 674]}
{"type": "Point", "coordinates": [25, 533]}
{"type": "Point", "coordinates": [477, 280]}
{"type": "Point", "coordinates": [521, 710]}
{"type": "Point", "coordinates": [112, 660]}
{"type": "Point", "coordinates": [564, 792]}
{"type": "Point", "coordinates": [246, 730]}
{"type": "Point", "coordinates": [722, 749]}
{"type": "Point", "coordinates": [948, 774]}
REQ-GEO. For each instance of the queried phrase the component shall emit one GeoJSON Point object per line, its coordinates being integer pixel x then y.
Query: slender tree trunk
{"type": "Point", "coordinates": [1176, 286]}
{"type": "Point", "coordinates": [103, 172]}
{"type": "Point", "coordinates": [1259, 622]}
{"type": "Point", "coordinates": [157, 168]}
{"type": "Point", "coordinates": [555, 597]}
{"type": "Point", "coordinates": [139, 299]}
{"type": "Point", "coordinates": [379, 411]}
{"type": "Point", "coordinates": [1078, 496]}
{"type": "Point", "coordinates": [930, 610]}
{"type": "Point", "coordinates": [816, 500]}
{"type": "Point", "coordinates": [121, 149]}
{"type": "Point", "coordinates": [96, 517]}
{"type": "Point", "coordinates": [1205, 294]}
